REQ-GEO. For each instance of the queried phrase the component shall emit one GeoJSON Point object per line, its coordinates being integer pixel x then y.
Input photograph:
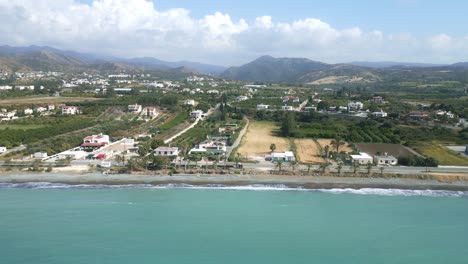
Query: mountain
{"type": "Point", "coordinates": [267, 68]}
{"type": "Point", "coordinates": [16, 58]}
{"type": "Point", "coordinates": [460, 65]}
{"type": "Point", "coordinates": [298, 70]}
{"type": "Point", "coordinates": [388, 64]}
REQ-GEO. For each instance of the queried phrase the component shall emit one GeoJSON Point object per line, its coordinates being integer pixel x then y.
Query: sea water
{"type": "Point", "coordinates": [57, 223]}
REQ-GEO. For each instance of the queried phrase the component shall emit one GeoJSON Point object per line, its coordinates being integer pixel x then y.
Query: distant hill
{"type": "Point", "coordinates": [298, 70]}
{"type": "Point", "coordinates": [48, 58]}
{"type": "Point", "coordinates": [388, 64]}
{"type": "Point", "coordinates": [271, 69]}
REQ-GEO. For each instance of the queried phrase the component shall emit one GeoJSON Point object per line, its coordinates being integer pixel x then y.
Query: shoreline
{"type": "Point", "coordinates": [207, 180]}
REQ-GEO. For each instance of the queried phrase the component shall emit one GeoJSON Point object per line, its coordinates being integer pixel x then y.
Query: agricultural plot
{"type": "Point", "coordinates": [308, 151]}
{"type": "Point", "coordinates": [46, 99]}
{"type": "Point", "coordinates": [327, 142]}
{"type": "Point", "coordinates": [256, 142]}
{"type": "Point", "coordinates": [442, 154]}
{"type": "Point", "coordinates": [395, 150]}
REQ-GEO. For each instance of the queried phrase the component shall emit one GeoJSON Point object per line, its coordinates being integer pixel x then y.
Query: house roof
{"type": "Point", "coordinates": [166, 149]}
{"type": "Point", "coordinates": [89, 144]}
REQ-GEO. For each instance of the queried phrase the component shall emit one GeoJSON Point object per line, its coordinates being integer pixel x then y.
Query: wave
{"type": "Point", "coordinates": [252, 187]}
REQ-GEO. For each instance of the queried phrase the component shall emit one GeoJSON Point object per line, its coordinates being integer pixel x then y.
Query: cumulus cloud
{"type": "Point", "coordinates": [137, 28]}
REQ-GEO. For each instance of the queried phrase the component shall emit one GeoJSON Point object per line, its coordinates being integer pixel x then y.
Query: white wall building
{"type": "Point", "coordinates": [70, 110]}
{"type": "Point", "coordinates": [135, 108]}
{"type": "Point", "coordinates": [166, 151]}
{"type": "Point", "coordinates": [95, 141]}
{"type": "Point", "coordinates": [190, 102]}
{"type": "Point", "coordinates": [150, 111]}
{"type": "Point", "coordinates": [262, 106]}
{"type": "Point", "coordinates": [381, 113]}
{"type": "Point", "coordinates": [385, 160]}
{"type": "Point", "coordinates": [2, 149]}
{"type": "Point", "coordinates": [355, 105]}
{"type": "Point", "coordinates": [196, 114]}
{"type": "Point", "coordinates": [362, 158]}
{"type": "Point", "coordinates": [287, 108]}
{"type": "Point", "coordinates": [281, 156]}
{"type": "Point", "coordinates": [28, 111]}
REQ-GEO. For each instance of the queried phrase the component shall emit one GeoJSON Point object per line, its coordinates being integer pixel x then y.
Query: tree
{"type": "Point", "coordinates": [337, 143]}
{"type": "Point", "coordinates": [324, 167]}
{"type": "Point", "coordinates": [339, 168]}
{"type": "Point", "coordinates": [322, 105]}
{"type": "Point", "coordinates": [279, 164]}
{"type": "Point", "coordinates": [288, 126]}
{"type": "Point", "coordinates": [273, 147]}
{"type": "Point", "coordinates": [155, 143]}
{"type": "Point", "coordinates": [355, 167]}
{"type": "Point", "coordinates": [143, 149]}
{"type": "Point", "coordinates": [369, 168]}
{"type": "Point", "coordinates": [293, 164]}
{"type": "Point", "coordinates": [120, 159]}
{"type": "Point", "coordinates": [327, 151]}
{"type": "Point", "coordinates": [381, 171]}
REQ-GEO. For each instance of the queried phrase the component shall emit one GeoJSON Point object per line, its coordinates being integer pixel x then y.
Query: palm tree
{"type": "Point", "coordinates": [120, 159]}
{"type": "Point", "coordinates": [279, 164]}
{"type": "Point", "coordinates": [369, 168]}
{"type": "Point", "coordinates": [309, 166]}
{"type": "Point", "coordinates": [355, 167]}
{"type": "Point", "coordinates": [324, 167]}
{"type": "Point", "coordinates": [293, 164]}
{"type": "Point", "coordinates": [327, 151]}
{"type": "Point", "coordinates": [337, 143]}
{"type": "Point", "coordinates": [338, 168]}
{"type": "Point", "coordinates": [381, 171]}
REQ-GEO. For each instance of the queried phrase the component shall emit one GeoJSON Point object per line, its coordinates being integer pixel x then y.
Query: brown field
{"type": "Point", "coordinates": [259, 137]}
{"type": "Point", "coordinates": [45, 100]}
{"type": "Point", "coordinates": [324, 142]}
{"type": "Point", "coordinates": [395, 150]}
{"type": "Point", "coordinates": [308, 151]}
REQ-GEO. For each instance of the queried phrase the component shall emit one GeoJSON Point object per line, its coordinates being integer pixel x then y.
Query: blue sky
{"type": "Point", "coordinates": [419, 17]}
{"type": "Point", "coordinates": [237, 31]}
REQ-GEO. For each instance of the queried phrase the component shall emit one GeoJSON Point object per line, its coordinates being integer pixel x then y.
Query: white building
{"type": "Point", "coordinates": [135, 108]}
{"type": "Point", "coordinates": [445, 113]}
{"type": "Point", "coordinates": [50, 107]}
{"type": "Point", "coordinates": [242, 98]}
{"type": "Point", "coordinates": [22, 87]}
{"type": "Point", "coordinates": [28, 111]}
{"type": "Point", "coordinates": [355, 105]}
{"type": "Point", "coordinates": [2, 149]}
{"type": "Point", "coordinates": [70, 110]}
{"type": "Point", "coordinates": [40, 155]}
{"type": "Point", "coordinates": [95, 141]}
{"type": "Point", "coordinates": [281, 156]}
{"type": "Point", "coordinates": [385, 160]}
{"type": "Point", "coordinates": [362, 158]}
{"type": "Point", "coordinates": [196, 114]}
{"type": "Point", "coordinates": [381, 113]}
{"type": "Point", "coordinates": [6, 88]}
{"type": "Point", "coordinates": [262, 106]}
{"type": "Point", "coordinates": [8, 115]}
{"type": "Point", "coordinates": [150, 111]}
{"type": "Point", "coordinates": [72, 154]}
{"type": "Point", "coordinates": [190, 102]}
{"type": "Point", "coordinates": [166, 151]}
{"type": "Point", "coordinates": [287, 108]}
{"type": "Point", "coordinates": [41, 109]}
{"type": "Point", "coordinates": [212, 92]}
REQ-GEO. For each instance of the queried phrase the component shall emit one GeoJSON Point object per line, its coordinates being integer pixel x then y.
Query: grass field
{"type": "Point", "coordinates": [19, 126]}
{"type": "Point", "coordinates": [45, 100]}
{"type": "Point", "coordinates": [308, 151]}
{"type": "Point", "coordinates": [256, 142]}
{"type": "Point", "coordinates": [442, 154]}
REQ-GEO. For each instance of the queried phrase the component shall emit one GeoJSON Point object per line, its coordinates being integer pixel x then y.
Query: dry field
{"type": "Point", "coordinates": [325, 142]}
{"type": "Point", "coordinates": [308, 151]}
{"type": "Point", "coordinates": [256, 142]}
{"type": "Point", "coordinates": [45, 100]}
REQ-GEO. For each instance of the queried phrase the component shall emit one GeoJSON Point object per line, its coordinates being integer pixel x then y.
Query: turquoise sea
{"type": "Point", "coordinates": [47, 223]}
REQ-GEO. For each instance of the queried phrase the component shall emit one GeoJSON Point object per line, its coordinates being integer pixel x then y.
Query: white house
{"type": "Point", "coordinates": [150, 111]}
{"type": "Point", "coordinates": [445, 113]}
{"type": "Point", "coordinates": [355, 105]}
{"type": "Point", "coordinates": [362, 158]}
{"type": "Point", "coordinates": [242, 98]}
{"type": "Point", "coordinates": [8, 115]}
{"type": "Point", "coordinates": [190, 102]}
{"type": "Point", "coordinates": [70, 110]}
{"type": "Point", "coordinates": [385, 160]}
{"type": "Point", "coordinates": [40, 155]}
{"type": "Point", "coordinates": [95, 141]}
{"type": "Point", "coordinates": [381, 113]}
{"type": "Point", "coordinates": [213, 92]}
{"type": "Point", "coordinates": [287, 108]}
{"type": "Point", "coordinates": [166, 151]}
{"type": "Point", "coordinates": [73, 154]}
{"type": "Point", "coordinates": [6, 87]}
{"type": "Point", "coordinates": [41, 109]}
{"type": "Point", "coordinates": [28, 111]}
{"type": "Point", "coordinates": [281, 156]}
{"type": "Point", "coordinates": [50, 107]}
{"type": "Point", "coordinates": [2, 149]}
{"type": "Point", "coordinates": [136, 108]}
{"type": "Point", "coordinates": [262, 106]}
{"type": "Point", "coordinates": [196, 114]}
{"type": "Point", "coordinates": [210, 147]}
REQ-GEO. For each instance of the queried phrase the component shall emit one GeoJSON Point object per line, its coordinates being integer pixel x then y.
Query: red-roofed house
{"type": "Point", "coordinates": [150, 111]}
{"type": "Point", "coordinates": [95, 141]}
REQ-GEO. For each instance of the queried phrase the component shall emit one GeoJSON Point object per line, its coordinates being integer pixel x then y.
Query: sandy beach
{"type": "Point", "coordinates": [308, 182]}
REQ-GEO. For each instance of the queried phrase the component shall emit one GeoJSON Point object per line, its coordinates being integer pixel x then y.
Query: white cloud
{"type": "Point", "coordinates": [137, 28]}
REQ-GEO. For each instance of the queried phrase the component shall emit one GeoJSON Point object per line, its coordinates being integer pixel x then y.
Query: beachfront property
{"type": "Point", "coordinates": [2, 149]}
{"type": "Point", "coordinates": [70, 110]}
{"type": "Point", "coordinates": [281, 156]}
{"type": "Point", "coordinates": [135, 108]}
{"type": "Point", "coordinates": [95, 141]}
{"type": "Point", "coordinates": [196, 114]}
{"type": "Point", "coordinates": [40, 155]}
{"type": "Point", "coordinates": [72, 154]}
{"type": "Point", "coordinates": [287, 108]}
{"type": "Point", "coordinates": [362, 158]}
{"type": "Point", "coordinates": [262, 106]}
{"type": "Point", "coordinates": [166, 151]}
{"type": "Point", "coordinates": [210, 147]}
{"type": "Point", "coordinates": [385, 160]}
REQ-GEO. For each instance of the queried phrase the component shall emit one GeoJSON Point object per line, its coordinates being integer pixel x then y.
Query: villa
{"type": "Point", "coordinates": [166, 151]}
{"type": "Point", "coordinates": [135, 108]}
{"type": "Point", "coordinates": [70, 110]}
{"type": "Point", "coordinates": [362, 158]}
{"type": "Point", "coordinates": [95, 141]}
